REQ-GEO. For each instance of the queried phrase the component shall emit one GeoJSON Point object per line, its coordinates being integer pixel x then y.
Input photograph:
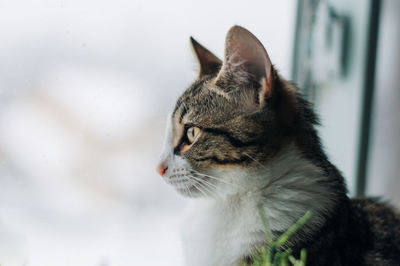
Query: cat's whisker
{"type": "Point", "coordinates": [197, 178]}
{"type": "Point", "coordinates": [215, 178]}
{"type": "Point", "coordinates": [206, 185]}
{"type": "Point", "coordinates": [199, 188]}
{"type": "Point", "coordinates": [211, 187]}
{"type": "Point", "coordinates": [208, 191]}
{"type": "Point", "coordinates": [218, 191]}
{"type": "Point", "coordinates": [188, 189]}
{"type": "Point", "coordinates": [260, 164]}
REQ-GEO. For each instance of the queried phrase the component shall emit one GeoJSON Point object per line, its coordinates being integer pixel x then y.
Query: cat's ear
{"type": "Point", "coordinates": [209, 63]}
{"type": "Point", "coordinates": [246, 66]}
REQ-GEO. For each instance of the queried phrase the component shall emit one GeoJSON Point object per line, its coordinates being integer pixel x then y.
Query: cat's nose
{"type": "Point", "coordinates": [162, 167]}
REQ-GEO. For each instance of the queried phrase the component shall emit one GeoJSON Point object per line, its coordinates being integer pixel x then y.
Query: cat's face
{"type": "Point", "coordinates": [224, 126]}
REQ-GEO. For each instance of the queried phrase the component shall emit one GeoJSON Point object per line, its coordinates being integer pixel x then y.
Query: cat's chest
{"type": "Point", "coordinates": [220, 233]}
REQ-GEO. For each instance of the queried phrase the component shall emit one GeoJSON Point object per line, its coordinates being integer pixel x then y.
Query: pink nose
{"type": "Point", "coordinates": [162, 168]}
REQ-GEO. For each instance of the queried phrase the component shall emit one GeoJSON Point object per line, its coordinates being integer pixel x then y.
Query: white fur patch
{"type": "Point", "coordinates": [222, 231]}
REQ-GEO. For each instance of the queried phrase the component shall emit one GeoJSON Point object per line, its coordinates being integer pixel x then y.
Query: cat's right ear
{"type": "Point", "coordinates": [209, 63]}
{"type": "Point", "coordinates": [247, 68]}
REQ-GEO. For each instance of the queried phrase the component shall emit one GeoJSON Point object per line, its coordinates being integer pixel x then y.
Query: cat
{"type": "Point", "coordinates": [242, 135]}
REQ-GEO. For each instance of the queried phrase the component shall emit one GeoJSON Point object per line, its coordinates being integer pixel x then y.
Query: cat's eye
{"type": "Point", "coordinates": [192, 134]}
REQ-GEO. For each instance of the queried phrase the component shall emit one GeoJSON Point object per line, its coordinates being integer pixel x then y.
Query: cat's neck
{"type": "Point", "coordinates": [229, 226]}
{"type": "Point", "coordinates": [288, 186]}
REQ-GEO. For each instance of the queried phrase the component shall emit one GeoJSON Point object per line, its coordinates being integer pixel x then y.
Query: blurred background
{"type": "Point", "coordinates": [85, 87]}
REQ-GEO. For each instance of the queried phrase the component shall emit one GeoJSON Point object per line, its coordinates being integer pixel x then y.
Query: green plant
{"type": "Point", "coordinates": [275, 254]}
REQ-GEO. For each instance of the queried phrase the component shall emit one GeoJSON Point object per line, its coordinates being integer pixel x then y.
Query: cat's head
{"type": "Point", "coordinates": [229, 122]}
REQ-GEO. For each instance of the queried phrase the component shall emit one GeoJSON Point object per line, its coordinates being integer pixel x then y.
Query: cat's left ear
{"type": "Point", "coordinates": [247, 67]}
{"type": "Point", "coordinates": [209, 63]}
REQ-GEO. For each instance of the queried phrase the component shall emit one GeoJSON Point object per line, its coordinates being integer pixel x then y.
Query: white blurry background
{"type": "Point", "coordinates": [85, 87]}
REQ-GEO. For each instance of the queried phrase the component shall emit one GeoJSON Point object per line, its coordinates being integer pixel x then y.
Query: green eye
{"type": "Point", "coordinates": [192, 134]}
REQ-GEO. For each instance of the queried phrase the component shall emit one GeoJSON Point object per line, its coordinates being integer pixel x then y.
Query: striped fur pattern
{"type": "Point", "coordinates": [242, 135]}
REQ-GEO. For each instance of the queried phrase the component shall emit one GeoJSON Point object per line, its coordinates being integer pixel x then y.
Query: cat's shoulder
{"type": "Point", "coordinates": [378, 224]}
{"type": "Point", "coordinates": [377, 213]}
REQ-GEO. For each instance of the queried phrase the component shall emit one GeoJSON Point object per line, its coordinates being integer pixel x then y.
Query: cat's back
{"type": "Point", "coordinates": [374, 231]}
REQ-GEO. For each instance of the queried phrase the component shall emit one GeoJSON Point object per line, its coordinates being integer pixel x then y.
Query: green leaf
{"type": "Point", "coordinates": [303, 257]}
{"type": "Point", "coordinates": [293, 229]}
